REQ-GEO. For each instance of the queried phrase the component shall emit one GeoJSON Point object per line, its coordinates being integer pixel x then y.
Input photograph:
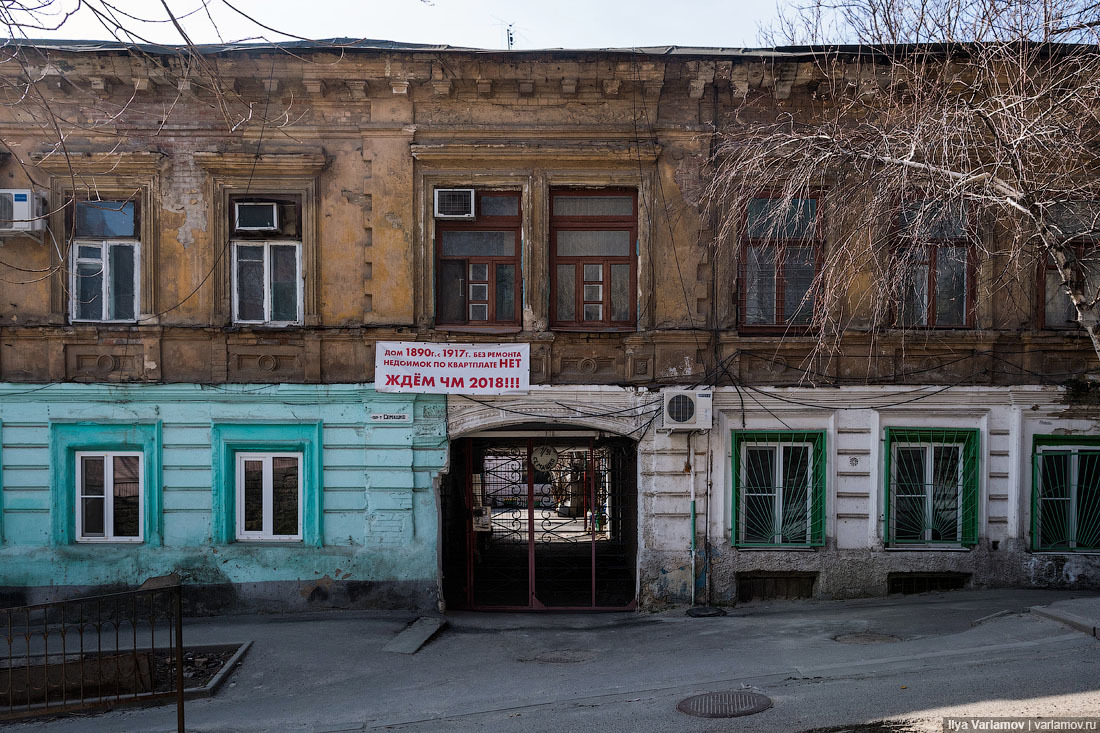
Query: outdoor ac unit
{"type": "Point", "coordinates": [454, 203]}
{"type": "Point", "coordinates": [22, 210]}
{"type": "Point", "coordinates": [686, 409]}
{"type": "Point", "coordinates": [260, 216]}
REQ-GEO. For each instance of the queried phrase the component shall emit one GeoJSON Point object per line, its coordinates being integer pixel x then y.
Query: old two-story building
{"type": "Point", "coordinates": [198, 272]}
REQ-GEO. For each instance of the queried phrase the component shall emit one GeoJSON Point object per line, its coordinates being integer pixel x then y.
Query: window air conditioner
{"type": "Point", "coordinates": [22, 210]}
{"type": "Point", "coordinates": [686, 409]}
{"type": "Point", "coordinates": [454, 203]}
{"type": "Point", "coordinates": [261, 216]}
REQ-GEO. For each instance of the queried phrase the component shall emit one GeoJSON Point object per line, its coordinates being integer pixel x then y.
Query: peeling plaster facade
{"type": "Point", "coordinates": [361, 140]}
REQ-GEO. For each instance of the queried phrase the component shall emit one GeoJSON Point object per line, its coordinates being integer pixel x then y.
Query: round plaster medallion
{"type": "Point", "coordinates": [586, 365]}
{"type": "Point", "coordinates": [853, 461]}
{"type": "Point", "coordinates": [544, 457]}
{"type": "Point", "coordinates": [267, 362]}
{"type": "Point", "coordinates": [107, 362]}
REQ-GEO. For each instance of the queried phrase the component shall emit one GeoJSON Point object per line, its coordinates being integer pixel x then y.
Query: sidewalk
{"type": "Point", "coordinates": [559, 672]}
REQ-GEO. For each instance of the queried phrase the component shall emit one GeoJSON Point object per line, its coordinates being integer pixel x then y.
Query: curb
{"type": "Point", "coordinates": [1079, 623]}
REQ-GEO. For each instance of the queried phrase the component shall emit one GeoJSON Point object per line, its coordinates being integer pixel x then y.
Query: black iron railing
{"type": "Point", "coordinates": [99, 651]}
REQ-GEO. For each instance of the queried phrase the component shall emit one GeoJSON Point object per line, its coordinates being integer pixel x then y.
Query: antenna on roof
{"type": "Point", "coordinates": [509, 36]}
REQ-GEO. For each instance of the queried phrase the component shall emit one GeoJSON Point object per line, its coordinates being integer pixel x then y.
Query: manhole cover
{"type": "Point", "coordinates": [866, 637]}
{"type": "Point", "coordinates": [724, 704]}
{"type": "Point", "coordinates": [564, 656]}
{"type": "Point", "coordinates": [705, 612]}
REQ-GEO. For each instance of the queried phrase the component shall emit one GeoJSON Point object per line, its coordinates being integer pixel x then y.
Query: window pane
{"type": "Point", "coordinates": [796, 493]}
{"type": "Point", "coordinates": [479, 244]}
{"type": "Point", "coordinates": [253, 496]}
{"type": "Point", "coordinates": [593, 293]}
{"type": "Point", "coordinates": [1054, 500]}
{"type": "Point", "coordinates": [593, 312]}
{"type": "Point", "coordinates": [91, 473]}
{"type": "Point", "coordinates": [500, 205]}
{"type": "Point", "coordinates": [1059, 309]}
{"type": "Point", "coordinates": [945, 492]}
{"type": "Point", "coordinates": [284, 496]}
{"type": "Point", "coordinates": [620, 292]}
{"type": "Point", "coordinates": [950, 286]}
{"type": "Point", "coordinates": [759, 285]}
{"type": "Point", "coordinates": [93, 519]}
{"type": "Point", "coordinates": [89, 291]}
{"type": "Point", "coordinates": [914, 297]}
{"type": "Point", "coordinates": [451, 291]}
{"type": "Point", "coordinates": [479, 291]}
{"type": "Point", "coordinates": [506, 292]}
{"type": "Point", "coordinates": [567, 292]}
{"type": "Point", "coordinates": [479, 272]}
{"type": "Point", "coordinates": [284, 283]}
{"type": "Point", "coordinates": [798, 270]}
{"type": "Point", "coordinates": [593, 273]}
{"type": "Point", "coordinates": [479, 311]}
{"type": "Point", "coordinates": [910, 489]}
{"type": "Point", "coordinates": [250, 283]}
{"type": "Point", "coordinates": [127, 496]}
{"type": "Point", "coordinates": [89, 252]}
{"type": "Point", "coordinates": [1078, 219]}
{"type": "Point", "coordinates": [781, 218]}
{"type": "Point", "coordinates": [934, 220]}
{"type": "Point", "coordinates": [1088, 500]}
{"type": "Point", "coordinates": [122, 282]}
{"type": "Point", "coordinates": [565, 205]}
{"type": "Point", "coordinates": [105, 219]}
{"type": "Point", "coordinates": [759, 490]}
{"type": "Point", "coordinates": [591, 243]}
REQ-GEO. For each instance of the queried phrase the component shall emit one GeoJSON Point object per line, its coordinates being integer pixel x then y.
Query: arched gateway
{"type": "Point", "coordinates": [540, 516]}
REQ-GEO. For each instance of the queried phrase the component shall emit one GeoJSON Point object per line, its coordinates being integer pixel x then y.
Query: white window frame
{"type": "Point", "coordinates": [237, 216]}
{"type": "Point", "coordinates": [108, 496]}
{"type": "Point", "coordinates": [299, 280]}
{"type": "Point", "coordinates": [1074, 452]}
{"type": "Point", "coordinates": [929, 468]}
{"type": "Point", "coordinates": [265, 535]}
{"type": "Point", "coordinates": [104, 246]}
{"type": "Point", "coordinates": [777, 488]}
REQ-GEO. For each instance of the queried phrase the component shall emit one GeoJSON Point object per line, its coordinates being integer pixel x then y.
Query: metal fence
{"type": "Point", "coordinates": [94, 652]}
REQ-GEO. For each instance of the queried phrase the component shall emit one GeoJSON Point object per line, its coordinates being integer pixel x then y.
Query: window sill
{"type": "Point", "coordinates": [1076, 553]}
{"type": "Point", "coordinates": [107, 541]}
{"type": "Point", "coordinates": [927, 548]}
{"type": "Point", "coordinates": [269, 543]}
{"type": "Point", "coordinates": [774, 548]}
{"type": "Point", "coordinates": [594, 329]}
{"type": "Point", "coordinates": [480, 329]}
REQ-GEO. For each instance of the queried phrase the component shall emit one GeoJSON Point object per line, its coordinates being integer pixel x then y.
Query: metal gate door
{"type": "Point", "coordinates": [552, 524]}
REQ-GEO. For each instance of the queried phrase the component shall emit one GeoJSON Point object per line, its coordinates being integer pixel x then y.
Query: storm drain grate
{"type": "Point", "coordinates": [724, 704]}
{"type": "Point", "coordinates": [866, 637]}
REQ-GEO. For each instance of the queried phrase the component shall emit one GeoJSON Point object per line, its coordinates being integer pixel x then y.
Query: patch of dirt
{"type": "Point", "coordinates": [198, 668]}
{"type": "Point", "coordinates": [866, 637]}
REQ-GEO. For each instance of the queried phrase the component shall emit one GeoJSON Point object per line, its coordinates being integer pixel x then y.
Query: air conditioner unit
{"type": "Point", "coordinates": [686, 409]}
{"type": "Point", "coordinates": [259, 216]}
{"type": "Point", "coordinates": [22, 210]}
{"type": "Point", "coordinates": [454, 203]}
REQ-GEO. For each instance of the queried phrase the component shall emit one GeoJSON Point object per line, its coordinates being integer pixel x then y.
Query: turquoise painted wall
{"type": "Point", "coordinates": [374, 516]}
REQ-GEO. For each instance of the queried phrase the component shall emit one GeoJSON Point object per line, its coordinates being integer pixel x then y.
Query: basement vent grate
{"type": "Point", "coordinates": [908, 583]}
{"type": "Point", "coordinates": [773, 586]}
{"type": "Point", "coordinates": [732, 704]}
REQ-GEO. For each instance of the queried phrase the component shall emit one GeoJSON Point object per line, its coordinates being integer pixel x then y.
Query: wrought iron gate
{"type": "Point", "coordinates": [552, 523]}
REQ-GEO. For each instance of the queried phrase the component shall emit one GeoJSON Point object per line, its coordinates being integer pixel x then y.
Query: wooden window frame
{"type": "Point", "coordinates": [104, 246]}
{"type": "Point", "coordinates": [593, 223]}
{"type": "Point", "coordinates": [266, 459]}
{"type": "Point", "coordinates": [1081, 247]}
{"type": "Point", "coordinates": [932, 247]}
{"type": "Point", "coordinates": [299, 281]}
{"type": "Point", "coordinates": [781, 324]}
{"type": "Point", "coordinates": [108, 497]}
{"type": "Point", "coordinates": [481, 223]}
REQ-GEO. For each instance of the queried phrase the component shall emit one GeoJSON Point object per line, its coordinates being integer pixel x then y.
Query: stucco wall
{"type": "Point", "coordinates": [378, 517]}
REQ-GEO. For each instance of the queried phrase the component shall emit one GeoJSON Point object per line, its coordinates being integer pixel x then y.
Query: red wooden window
{"type": "Point", "coordinates": [1079, 222]}
{"type": "Point", "coordinates": [477, 264]}
{"type": "Point", "coordinates": [780, 251]}
{"type": "Point", "coordinates": [937, 283]}
{"type": "Point", "coordinates": [593, 259]}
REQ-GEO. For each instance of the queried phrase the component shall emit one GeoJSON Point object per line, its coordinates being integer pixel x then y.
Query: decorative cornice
{"type": "Point", "coordinates": [247, 164]}
{"type": "Point", "coordinates": [100, 164]}
{"type": "Point", "coordinates": [547, 150]}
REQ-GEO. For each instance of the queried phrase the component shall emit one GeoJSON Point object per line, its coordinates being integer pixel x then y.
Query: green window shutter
{"type": "Point", "coordinates": [780, 500]}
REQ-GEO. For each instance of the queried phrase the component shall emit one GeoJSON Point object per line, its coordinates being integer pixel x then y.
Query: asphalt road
{"type": "Point", "coordinates": [626, 672]}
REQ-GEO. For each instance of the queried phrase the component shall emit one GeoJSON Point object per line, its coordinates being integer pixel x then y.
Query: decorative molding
{"type": "Point", "coordinates": [602, 152]}
{"type": "Point", "coordinates": [274, 165]}
{"type": "Point", "coordinates": [100, 164]}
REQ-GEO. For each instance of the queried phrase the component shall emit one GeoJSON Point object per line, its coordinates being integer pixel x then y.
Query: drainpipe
{"type": "Point", "coordinates": [691, 474]}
